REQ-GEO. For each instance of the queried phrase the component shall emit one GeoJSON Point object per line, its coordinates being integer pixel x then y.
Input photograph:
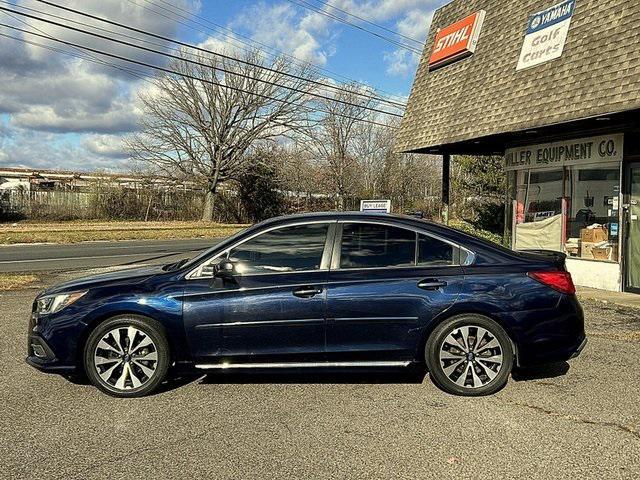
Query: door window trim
{"type": "Point", "coordinates": [337, 246]}
{"type": "Point", "coordinates": [324, 263]}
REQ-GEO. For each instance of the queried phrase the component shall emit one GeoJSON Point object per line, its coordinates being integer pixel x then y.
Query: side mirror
{"type": "Point", "coordinates": [225, 269]}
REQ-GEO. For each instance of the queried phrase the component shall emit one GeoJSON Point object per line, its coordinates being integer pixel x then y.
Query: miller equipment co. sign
{"type": "Point", "coordinates": [456, 41]}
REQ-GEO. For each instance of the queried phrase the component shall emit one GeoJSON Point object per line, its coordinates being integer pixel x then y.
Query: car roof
{"type": "Point", "coordinates": [301, 217]}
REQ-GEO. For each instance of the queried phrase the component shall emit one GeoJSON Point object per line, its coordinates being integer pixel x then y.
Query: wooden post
{"type": "Point", "coordinates": [446, 183]}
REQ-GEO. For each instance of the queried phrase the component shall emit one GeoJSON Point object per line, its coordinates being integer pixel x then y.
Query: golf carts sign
{"type": "Point", "coordinates": [546, 35]}
{"type": "Point", "coordinates": [456, 41]}
{"type": "Point", "coordinates": [375, 206]}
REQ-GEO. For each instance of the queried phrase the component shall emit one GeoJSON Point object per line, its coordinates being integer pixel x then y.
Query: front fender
{"type": "Point", "coordinates": [166, 310]}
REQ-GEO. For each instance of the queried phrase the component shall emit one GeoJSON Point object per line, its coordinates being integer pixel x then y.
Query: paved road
{"type": "Point", "coordinates": [548, 424]}
{"type": "Point", "coordinates": [40, 258]}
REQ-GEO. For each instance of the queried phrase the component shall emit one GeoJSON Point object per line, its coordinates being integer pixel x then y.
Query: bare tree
{"type": "Point", "coordinates": [199, 123]}
{"type": "Point", "coordinates": [334, 140]}
{"type": "Point", "coordinates": [373, 145]}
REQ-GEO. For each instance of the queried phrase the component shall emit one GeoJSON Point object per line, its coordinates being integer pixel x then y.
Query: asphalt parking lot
{"type": "Point", "coordinates": [576, 420]}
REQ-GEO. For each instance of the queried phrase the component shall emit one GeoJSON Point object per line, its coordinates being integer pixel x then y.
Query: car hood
{"type": "Point", "coordinates": [130, 275]}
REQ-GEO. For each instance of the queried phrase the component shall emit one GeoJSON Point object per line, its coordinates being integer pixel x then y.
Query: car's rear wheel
{"type": "Point", "coordinates": [127, 356]}
{"type": "Point", "coordinates": [469, 355]}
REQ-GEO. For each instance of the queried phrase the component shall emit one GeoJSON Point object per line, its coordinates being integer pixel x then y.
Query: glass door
{"type": "Point", "coordinates": [632, 223]}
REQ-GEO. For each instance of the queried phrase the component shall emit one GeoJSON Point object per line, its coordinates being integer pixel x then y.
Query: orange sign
{"type": "Point", "coordinates": [456, 41]}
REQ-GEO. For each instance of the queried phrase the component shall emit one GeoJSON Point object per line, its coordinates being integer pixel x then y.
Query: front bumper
{"type": "Point", "coordinates": [41, 356]}
{"type": "Point", "coordinates": [40, 353]}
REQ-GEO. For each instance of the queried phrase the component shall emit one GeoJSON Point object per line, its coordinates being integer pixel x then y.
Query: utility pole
{"type": "Point", "coordinates": [446, 183]}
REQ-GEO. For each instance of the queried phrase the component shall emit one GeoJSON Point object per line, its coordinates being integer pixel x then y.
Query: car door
{"type": "Point", "coordinates": [274, 307]}
{"type": "Point", "coordinates": [386, 284]}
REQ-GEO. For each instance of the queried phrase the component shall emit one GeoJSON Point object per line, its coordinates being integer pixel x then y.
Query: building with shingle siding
{"type": "Point", "coordinates": [554, 86]}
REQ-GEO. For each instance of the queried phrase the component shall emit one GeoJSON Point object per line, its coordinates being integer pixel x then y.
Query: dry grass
{"type": "Point", "coordinates": [81, 231]}
{"type": "Point", "coordinates": [11, 281]}
{"type": "Point", "coordinates": [625, 336]}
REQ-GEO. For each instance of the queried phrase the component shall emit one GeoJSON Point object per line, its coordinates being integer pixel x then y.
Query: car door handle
{"type": "Point", "coordinates": [307, 292]}
{"type": "Point", "coordinates": [431, 284]}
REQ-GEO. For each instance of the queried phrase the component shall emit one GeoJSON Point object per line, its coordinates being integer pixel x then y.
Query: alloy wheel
{"type": "Point", "coordinates": [126, 358]}
{"type": "Point", "coordinates": [471, 356]}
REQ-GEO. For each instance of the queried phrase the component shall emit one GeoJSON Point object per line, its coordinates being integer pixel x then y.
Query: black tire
{"type": "Point", "coordinates": [483, 364]}
{"type": "Point", "coordinates": [148, 339]}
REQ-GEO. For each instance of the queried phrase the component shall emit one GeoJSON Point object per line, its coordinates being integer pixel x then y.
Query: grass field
{"type": "Point", "coordinates": [11, 281]}
{"type": "Point", "coordinates": [77, 231]}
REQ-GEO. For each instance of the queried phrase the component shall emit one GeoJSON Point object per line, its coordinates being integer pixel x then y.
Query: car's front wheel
{"type": "Point", "coordinates": [127, 356]}
{"type": "Point", "coordinates": [469, 355]}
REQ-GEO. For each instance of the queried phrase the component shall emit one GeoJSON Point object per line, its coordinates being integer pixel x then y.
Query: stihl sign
{"type": "Point", "coordinates": [456, 41]}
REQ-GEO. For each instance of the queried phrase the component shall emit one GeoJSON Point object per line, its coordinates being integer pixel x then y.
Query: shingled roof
{"type": "Point", "coordinates": [484, 95]}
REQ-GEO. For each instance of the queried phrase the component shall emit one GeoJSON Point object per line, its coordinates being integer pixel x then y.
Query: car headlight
{"type": "Point", "coordinates": [54, 303]}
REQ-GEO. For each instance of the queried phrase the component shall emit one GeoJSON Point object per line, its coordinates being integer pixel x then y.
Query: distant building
{"type": "Point", "coordinates": [36, 179]}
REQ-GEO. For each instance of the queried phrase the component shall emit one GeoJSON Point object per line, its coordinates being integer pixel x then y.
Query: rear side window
{"type": "Point", "coordinates": [287, 249]}
{"type": "Point", "coordinates": [369, 245]}
{"type": "Point", "coordinates": [434, 252]}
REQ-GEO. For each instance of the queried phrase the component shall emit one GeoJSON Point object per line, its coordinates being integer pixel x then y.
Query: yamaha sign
{"type": "Point", "coordinates": [546, 35]}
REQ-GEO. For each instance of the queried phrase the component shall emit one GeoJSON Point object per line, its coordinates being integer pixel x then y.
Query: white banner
{"type": "Point", "coordinates": [546, 35]}
{"type": "Point", "coordinates": [375, 206]}
{"type": "Point", "coordinates": [607, 148]}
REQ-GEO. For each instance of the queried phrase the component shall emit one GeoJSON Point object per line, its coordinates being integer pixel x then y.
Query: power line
{"type": "Point", "coordinates": [210, 52]}
{"type": "Point", "coordinates": [86, 56]}
{"type": "Point", "coordinates": [94, 27]}
{"type": "Point", "coordinates": [381, 27]}
{"type": "Point", "coordinates": [192, 77]}
{"type": "Point", "coordinates": [94, 59]}
{"type": "Point", "coordinates": [313, 8]}
{"type": "Point", "coordinates": [201, 64]}
{"type": "Point", "coordinates": [248, 41]}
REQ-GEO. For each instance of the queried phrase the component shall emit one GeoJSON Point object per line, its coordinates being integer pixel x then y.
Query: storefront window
{"type": "Point", "coordinates": [544, 196]}
{"type": "Point", "coordinates": [592, 212]}
{"type": "Point", "coordinates": [573, 209]}
{"type": "Point", "coordinates": [537, 208]}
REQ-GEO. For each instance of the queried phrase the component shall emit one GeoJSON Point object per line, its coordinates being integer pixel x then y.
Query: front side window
{"type": "Point", "coordinates": [288, 249]}
{"type": "Point", "coordinates": [369, 245]}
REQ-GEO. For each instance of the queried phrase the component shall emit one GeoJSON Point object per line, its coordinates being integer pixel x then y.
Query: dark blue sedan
{"type": "Point", "coordinates": [317, 291]}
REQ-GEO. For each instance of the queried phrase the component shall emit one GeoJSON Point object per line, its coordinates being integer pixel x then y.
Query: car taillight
{"type": "Point", "coordinates": [558, 280]}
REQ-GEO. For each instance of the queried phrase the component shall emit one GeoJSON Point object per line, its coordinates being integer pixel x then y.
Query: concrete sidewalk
{"type": "Point", "coordinates": [631, 300]}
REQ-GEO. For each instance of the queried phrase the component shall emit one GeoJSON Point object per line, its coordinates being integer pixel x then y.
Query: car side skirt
{"type": "Point", "coordinates": [224, 366]}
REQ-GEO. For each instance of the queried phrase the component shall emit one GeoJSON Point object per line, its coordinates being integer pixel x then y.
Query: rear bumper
{"type": "Point", "coordinates": [549, 335]}
{"type": "Point", "coordinates": [580, 348]}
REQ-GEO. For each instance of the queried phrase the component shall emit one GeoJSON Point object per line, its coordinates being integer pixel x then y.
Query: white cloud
{"type": "Point", "coordinates": [105, 145]}
{"type": "Point", "coordinates": [289, 30]}
{"type": "Point", "coordinates": [44, 150]}
{"type": "Point", "coordinates": [47, 95]}
{"type": "Point", "coordinates": [311, 36]}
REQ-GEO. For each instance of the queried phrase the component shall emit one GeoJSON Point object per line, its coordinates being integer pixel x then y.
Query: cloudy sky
{"type": "Point", "coordinates": [62, 112]}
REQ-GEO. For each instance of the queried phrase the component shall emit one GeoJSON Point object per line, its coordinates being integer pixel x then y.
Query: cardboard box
{"type": "Point", "coordinates": [594, 235]}
{"type": "Point", "coordinates": [598, 251]}
{"type": "Point", "coordinates": [586, 249]}
{"type": "Point", "coordinates": [601, 253]}
{"type": "Point", "coordinates": [572, 250]}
